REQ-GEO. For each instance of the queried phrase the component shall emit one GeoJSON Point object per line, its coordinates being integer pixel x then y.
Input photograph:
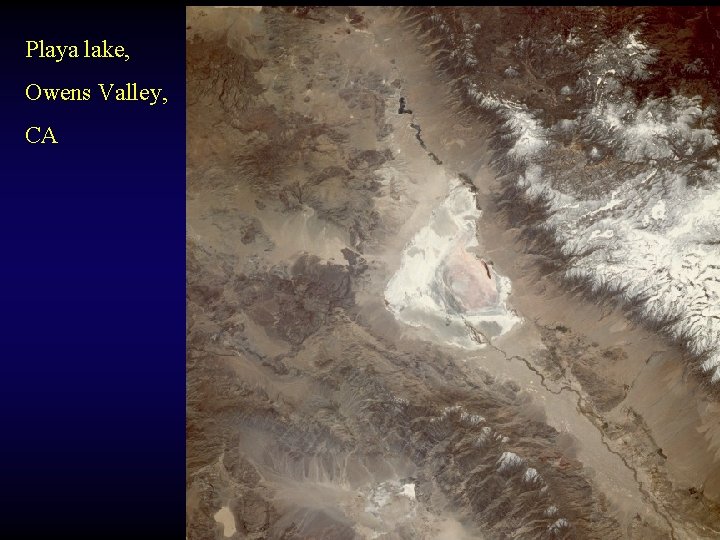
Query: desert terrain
{"type": "Point", "coordinates": [376, 347]}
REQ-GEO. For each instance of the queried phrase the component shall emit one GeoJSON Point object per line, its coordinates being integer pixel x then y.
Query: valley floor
{"type": "Point", "coordinates": [314, 411]}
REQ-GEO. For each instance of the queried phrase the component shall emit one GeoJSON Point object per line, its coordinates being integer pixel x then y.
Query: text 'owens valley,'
{"type": "Point", "coordinates": [93, 51]}
{"type": "Point", "coordinates": [130, 91]}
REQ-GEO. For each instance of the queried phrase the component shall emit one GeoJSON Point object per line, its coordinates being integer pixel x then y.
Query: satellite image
{"type": "Point", "coordinates": [453, 273]}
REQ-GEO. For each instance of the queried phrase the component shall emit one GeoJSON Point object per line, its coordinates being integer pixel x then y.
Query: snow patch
{"type": "Point", "coordinates": [509, 461]}
{"type": "Point", "coordinates": [531, 476]}
{"type": "Point", "coordinates": [558, 526]}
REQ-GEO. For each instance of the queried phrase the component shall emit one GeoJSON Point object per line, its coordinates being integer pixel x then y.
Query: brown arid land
{"type": "Point", "coordinates": [314, 409]}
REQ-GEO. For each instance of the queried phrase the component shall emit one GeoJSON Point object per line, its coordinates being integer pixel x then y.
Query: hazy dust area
{"type": "Point", "coordinates": [313, 409]}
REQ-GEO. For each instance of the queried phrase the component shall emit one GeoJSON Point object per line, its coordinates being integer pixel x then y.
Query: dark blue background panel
{"type": "Point", "coordinates": [92, 282]}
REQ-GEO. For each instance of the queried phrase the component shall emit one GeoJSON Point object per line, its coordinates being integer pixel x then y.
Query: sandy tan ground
{"type": "Point", "coordinates": [310, 156]}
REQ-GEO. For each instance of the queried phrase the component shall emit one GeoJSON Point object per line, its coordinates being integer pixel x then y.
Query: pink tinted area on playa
{"type": "Point", "coordinates": [470, 280]}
